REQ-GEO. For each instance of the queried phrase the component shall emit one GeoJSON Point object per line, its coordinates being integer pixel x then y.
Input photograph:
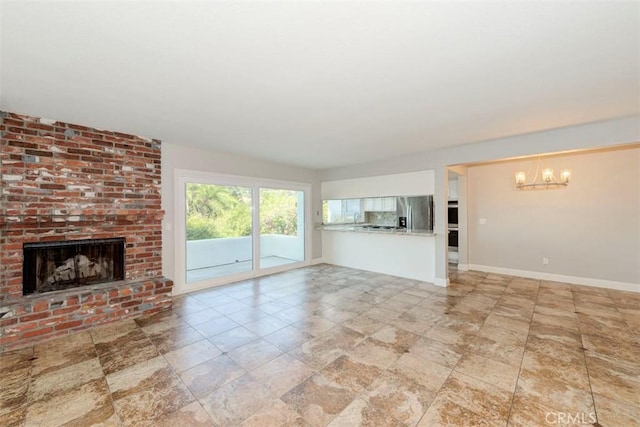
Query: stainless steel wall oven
{"type": "Point", "coordinates": [452, 213]}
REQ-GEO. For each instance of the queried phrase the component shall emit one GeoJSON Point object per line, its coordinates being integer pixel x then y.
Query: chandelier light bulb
{"type": "Point", "coordinates": [543, 178]}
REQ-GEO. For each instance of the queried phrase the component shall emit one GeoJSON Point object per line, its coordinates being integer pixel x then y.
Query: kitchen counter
{"type": "Point", "coordinates": [368, 229]}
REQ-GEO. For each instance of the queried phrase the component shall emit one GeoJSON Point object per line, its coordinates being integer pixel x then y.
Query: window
{"type": "Point", "coordinates": [232, 228]}
{"type": "Point", "coordinates": [342, 211]}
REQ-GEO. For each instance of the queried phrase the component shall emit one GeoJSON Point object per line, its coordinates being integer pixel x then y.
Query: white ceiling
{"type": "Point", "coordinates": [321, 84]}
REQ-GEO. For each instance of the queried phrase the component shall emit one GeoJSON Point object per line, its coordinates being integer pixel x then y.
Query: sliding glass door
{"type": "Point", "coordinates": [282, 224]}
{"type": "Point", "coordinates": [232, 228]}
{"type": "Point", "coordinates": [218, 231]}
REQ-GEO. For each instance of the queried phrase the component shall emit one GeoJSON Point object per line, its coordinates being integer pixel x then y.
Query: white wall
{"type": "Point", "coordinates": [591, 135]}
{"type": "Point", "coordinates": [412, 257]}
{"type": "Point", "coordinates": [589, 229]}
{"type": "Point", "coordinates": [188, 158]}
{"type": "Point", "coordinates": [405, 184]}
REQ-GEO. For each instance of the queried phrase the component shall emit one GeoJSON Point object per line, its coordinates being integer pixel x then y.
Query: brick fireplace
{"type": "Point", "coordinates": [62, 182]}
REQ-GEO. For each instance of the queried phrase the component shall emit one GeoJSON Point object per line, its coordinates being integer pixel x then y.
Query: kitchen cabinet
{"type": "Point", "coordinates": [380, 204]}
{"type": "Point", "coordinates": [453, 189]}
{"type": "Point", "coordinates": [370, 204]}
{"type": "Point", "coordinates": [389, 204]}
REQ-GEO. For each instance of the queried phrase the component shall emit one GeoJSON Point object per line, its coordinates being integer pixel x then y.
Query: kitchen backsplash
{"type": "Point", "coordinates": [381, 218]}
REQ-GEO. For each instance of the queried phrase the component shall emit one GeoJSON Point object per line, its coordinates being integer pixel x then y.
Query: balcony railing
{"type": "Point", "coordinates": [234, 254]}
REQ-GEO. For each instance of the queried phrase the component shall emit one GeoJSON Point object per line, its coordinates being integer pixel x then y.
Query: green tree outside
{"type": "Point", "coordinates": [278, 212]}
{"type": "Point", "coordinates": [215, 211]}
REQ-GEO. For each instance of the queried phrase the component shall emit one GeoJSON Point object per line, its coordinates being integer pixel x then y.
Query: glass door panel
{"type": "Point", "coordinates": [282, 226]}
{"type": "Point", "coordinates": [218, 231]}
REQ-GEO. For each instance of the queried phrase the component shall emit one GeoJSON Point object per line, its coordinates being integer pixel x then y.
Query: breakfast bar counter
{"type": "Point", "coordinates": [376, 229]}
{"type": "Point", "coordinates": [386, 251]}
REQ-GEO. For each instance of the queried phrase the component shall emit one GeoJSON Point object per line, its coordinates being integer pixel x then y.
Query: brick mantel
{"type": "Point", "coordinates": [62, 181]}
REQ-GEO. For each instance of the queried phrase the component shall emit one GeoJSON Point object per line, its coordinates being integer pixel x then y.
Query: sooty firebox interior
{"type": "Point", "coordinates": [53, 266]}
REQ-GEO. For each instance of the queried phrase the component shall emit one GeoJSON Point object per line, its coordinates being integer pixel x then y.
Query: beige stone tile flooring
{"type": "Point", "coordinates": [334, 346]}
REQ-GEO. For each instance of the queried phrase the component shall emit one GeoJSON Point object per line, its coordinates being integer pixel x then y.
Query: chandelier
{"type": "Point", "coordinates": [547, 181]}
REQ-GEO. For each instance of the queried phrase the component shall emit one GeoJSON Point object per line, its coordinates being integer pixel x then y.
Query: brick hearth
{"type": "Point", "coordinates": [60, 182]}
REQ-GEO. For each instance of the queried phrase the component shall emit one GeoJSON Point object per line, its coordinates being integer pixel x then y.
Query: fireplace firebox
{"type": "Point", "coordinates": [54, 266]}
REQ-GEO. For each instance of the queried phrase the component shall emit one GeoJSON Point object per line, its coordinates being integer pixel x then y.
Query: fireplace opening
{"type": "Point", "coordinates": [53, 266]}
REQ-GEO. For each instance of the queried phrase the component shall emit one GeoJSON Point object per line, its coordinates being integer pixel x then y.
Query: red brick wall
{"type": "Point", "coordinates": [62, 181]}
{"type": "Point", "coordinates": [38, 317]}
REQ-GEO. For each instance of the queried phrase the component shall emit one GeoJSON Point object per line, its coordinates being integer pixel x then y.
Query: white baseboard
{"type": "Point", "coordinates": [439, 281]}
{"type": "Point", "coordinates": [575, 280]}
{"type": "Point", "coordinates": [317, 261]}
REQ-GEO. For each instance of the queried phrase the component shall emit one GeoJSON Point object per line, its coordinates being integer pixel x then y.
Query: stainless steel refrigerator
{"type": "Point", "coordinates": [418, 211]}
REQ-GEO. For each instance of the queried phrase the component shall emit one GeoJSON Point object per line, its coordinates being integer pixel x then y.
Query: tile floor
{"type": "Point", "coordinates": [333, 346]}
